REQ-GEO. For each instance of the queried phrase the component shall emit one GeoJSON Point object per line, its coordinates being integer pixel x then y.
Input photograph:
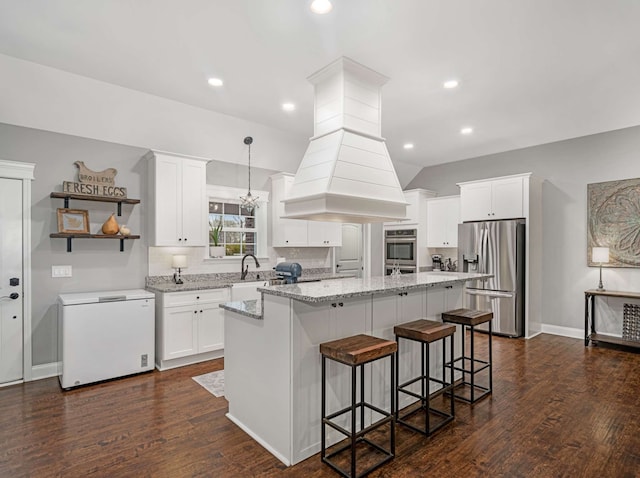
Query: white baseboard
{"type": "Point", "coordinates": [563, 331]}
{"type": "Point", "coordinates": [45, 370]}
{"type": "Point", "coordinates": [250, 432]}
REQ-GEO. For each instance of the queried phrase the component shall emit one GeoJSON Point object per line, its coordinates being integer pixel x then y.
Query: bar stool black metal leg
{"type": "Point", "coordinates": [397, 382]}
{"type": "Point", "coordinates": [451, 384]}
{"type": "Point", "coordinates": [393, 405]}
{"type": "Point", "coordinates": [323, 444]}
{"type": "Point", "coordinates": [491, 356]}
{"type": "Point", "coordinates": [361, 397]}
{"type": "Point", "coordinates": [473, 367]}
{"type": "Point", "coordinates": [464, 355]}
{"type": "Point", "coordinates": [353, 420]}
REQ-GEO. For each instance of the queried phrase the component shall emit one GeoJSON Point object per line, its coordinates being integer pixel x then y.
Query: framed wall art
{"type": "Point", "coordinates": [73, 221]}
{"type": "Point", "coordinates": [613, 212]}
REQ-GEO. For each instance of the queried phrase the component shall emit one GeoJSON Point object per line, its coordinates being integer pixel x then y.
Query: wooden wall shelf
{"type": "Point", "coordinates": [70, 236]}
{"type": "Point", "coordinates": [82, 197]}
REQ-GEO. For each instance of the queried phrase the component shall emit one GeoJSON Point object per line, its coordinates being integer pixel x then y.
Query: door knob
{"type": "Point", "coordinates": [13, 296]}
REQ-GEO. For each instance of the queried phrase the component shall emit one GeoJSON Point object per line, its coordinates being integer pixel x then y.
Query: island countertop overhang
{"type": "Point", "coordinates": [316, 292]}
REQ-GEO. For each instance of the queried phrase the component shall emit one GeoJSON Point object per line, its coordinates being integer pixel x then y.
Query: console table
{"type": "Point", "coordinates": [590, 319]}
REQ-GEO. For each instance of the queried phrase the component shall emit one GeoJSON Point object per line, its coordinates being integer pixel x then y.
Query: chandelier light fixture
{"type": "Point", "coordinates": [249, 202]}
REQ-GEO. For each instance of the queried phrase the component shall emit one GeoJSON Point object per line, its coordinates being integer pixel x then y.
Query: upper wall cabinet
{"type": "Point", "coordinates": [443, 216]}
{"type": "Point", "coordinates": [498, 198]}
{"type": "Point", "coordinates": [416, 209]}
{"type": "Point", "coordinates": [298, 232]}
{"type": "Point", "coordinates": [177, 189]}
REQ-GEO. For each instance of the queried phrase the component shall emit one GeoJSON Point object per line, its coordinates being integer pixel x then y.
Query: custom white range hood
{"type": "Point", "coordinates": [346, 174]}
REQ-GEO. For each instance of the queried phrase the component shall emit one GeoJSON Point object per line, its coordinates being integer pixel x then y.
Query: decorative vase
{"type": "Point", "coordinates": [216, 251]}
{"type": "Point", "coordinates": [110, 227]}
{"type": "Point", "coordinates": [124, 230]}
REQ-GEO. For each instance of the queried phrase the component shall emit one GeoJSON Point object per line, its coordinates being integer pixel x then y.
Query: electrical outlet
{"type": "Point", "coordinates": [61, 271]}
{"type": "Point", "coordinates": [144, 360]}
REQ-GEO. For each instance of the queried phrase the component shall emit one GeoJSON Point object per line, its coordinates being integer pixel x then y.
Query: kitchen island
{"type": "Point", "coordinates": [272, 360]}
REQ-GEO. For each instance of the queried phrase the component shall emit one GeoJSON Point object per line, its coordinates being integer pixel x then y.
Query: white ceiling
{"type": "Point", "coordinates": [530, 71]}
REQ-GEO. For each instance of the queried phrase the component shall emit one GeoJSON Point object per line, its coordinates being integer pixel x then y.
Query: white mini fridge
{"type": "Point", "coordinates": [104, 335]}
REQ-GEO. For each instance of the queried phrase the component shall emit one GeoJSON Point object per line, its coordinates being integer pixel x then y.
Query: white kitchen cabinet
{"type": "Point", "coordinates": [324, 234]}
{"type": "Point", "coordinates": [298, 232]}
{"type": "Point", "coordinates": [189, 327]}
{"type": "Point", "coordinates": [387, 312]}
{"type": "Point", "coordinates": [416, 209]}
{"type": "Point", "coordinates": [311, 325]}
{"type": "Point", "coordinates": [178, 202]}
{"type": "Point", "coordinates": [443, 217]}
{"type": "Point", "coordinates": [498, 198]}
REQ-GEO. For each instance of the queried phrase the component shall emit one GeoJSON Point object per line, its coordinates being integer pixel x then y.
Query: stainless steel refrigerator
{"type": "Point", "coordinates": [497, 248]}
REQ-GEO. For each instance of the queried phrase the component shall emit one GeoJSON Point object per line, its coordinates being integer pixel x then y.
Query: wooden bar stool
{"type": "Point", "coordinates": [355, 352]}
{"type": "Point", "coordinates": [471, 318]}
{"type": "Point", "coordinates": [425, 332]}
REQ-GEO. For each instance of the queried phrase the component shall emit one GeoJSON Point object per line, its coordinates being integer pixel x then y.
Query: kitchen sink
{"type": "Point", "coordinates": [247, 290]}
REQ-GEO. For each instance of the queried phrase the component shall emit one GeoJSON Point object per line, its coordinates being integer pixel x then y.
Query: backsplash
{"type": "Point", "coordinates": [199, 263]}
{"type": "Point", "coordinates": [229, 276]}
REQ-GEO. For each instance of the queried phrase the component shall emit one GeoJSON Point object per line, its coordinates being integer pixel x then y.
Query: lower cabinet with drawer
{"type": "Point", "coordinates": [189, 327]}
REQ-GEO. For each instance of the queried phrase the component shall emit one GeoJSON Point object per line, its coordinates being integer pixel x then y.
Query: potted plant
{"type": "Point", "coordinates": [215, 250]}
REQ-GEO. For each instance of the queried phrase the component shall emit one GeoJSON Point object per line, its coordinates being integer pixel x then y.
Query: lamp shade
{"type": "Point", "coordinates": [179, 262]}
{"type": "Point", "coordinates": [600, 254]}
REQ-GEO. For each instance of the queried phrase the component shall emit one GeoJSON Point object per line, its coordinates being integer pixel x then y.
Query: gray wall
{"type": "Point", "coordinates": [567, 167]}
{"type": "Point", "coordinates": [97, 264]}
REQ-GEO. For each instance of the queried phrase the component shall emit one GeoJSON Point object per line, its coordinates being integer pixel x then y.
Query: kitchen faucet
{"type": "Point", "coordinates": [243, 271]}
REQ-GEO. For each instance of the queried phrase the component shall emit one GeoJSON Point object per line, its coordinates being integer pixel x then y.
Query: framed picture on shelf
{"type": "Point", "coordinates": [73, 220]}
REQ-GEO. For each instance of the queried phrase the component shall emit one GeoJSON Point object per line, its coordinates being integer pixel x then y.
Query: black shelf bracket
{"type": "Point", "coordinates": [69, 244]}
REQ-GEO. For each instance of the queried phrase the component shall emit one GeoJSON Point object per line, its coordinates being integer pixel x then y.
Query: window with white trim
{"type": "Point", "coordinates": [239, 232]}
{"type": "Point", "coordinates": [242, 232]}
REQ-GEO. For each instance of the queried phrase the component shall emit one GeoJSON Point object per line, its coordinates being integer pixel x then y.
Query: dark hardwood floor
{"type": "Point", "coordinates": [558, 409]}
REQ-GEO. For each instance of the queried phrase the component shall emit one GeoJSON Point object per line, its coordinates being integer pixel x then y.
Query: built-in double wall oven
{"type": "Point", "coordinates": [400, 250]}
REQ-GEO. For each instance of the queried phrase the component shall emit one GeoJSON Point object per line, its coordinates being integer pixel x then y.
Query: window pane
{"type": "Point", "coordinates": [215, 219]}
{"type": "Point", "coordinates": [215, 207]}
{"type": "Point", "coordinates": [245, 212]}
{"type": "Point", "coordinates": [250, 237]}
{"type": "Point", "coordinates": [250, 222]}
{"type": "Point", "coordinates": [232, 249]}
{"type": "Point", "coordinates": [232, 237]}
{"type": "Point", "coordinates": [232, 221]}
{"type": "Point", "coordinates": [231, 208]}
{"type": "Point", "coordinates": [249, 249]}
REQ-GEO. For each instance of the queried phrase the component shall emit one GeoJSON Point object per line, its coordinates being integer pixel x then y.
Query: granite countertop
{"type": "Point", "coordinates": [191, 285]}
{"type": "Point", "coordinates": [313, 292]}
{"type": "Point", "coordinates": [249, 308]}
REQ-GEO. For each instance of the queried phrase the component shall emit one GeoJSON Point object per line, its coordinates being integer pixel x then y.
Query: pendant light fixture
{"type": "Point", "coordinates": [249, 202]}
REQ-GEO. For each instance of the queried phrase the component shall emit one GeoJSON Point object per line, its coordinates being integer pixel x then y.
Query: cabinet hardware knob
{"type": "Point", "coordinates": [197, 297]}
{"type": "Point", "coordinates": [334, 304]}
{"type": "Point", "coordinates": [179, 239]}
{"type": "Point", "coordinates": [340, 304]}
{"type": "Point", "coordinates": [201, 312]}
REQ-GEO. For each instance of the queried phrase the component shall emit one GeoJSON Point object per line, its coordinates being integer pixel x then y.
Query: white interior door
{"type": "Point", "coordinates": [11, 307]}
{"type": "Point", "coordinates": [349, 256]}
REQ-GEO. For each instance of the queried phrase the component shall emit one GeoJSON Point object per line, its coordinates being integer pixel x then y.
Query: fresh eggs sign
{"type": "Point", "coordinates": [95, 183]}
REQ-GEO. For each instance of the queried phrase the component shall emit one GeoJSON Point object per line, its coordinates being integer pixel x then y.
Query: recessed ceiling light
{"type": "Point", "coordinates": [449, 84]}
{"type": "Point", "coordinates": [215, 81]}
{"type": "Point", "coordinates": [408, 146]}
{"type": "Point", "coordinates": [466, 130]}
{"type": "Point", "coordinates": [321, 6]}
{"type": "Point", "coordinates": [288, 106]}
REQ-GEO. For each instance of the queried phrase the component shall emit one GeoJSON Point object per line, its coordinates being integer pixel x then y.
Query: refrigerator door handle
{"type": "Point", "coordinates": [491, 293]}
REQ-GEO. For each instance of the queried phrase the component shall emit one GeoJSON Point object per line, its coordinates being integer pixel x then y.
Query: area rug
{"type": "Point", "coordinates": [213, 382]}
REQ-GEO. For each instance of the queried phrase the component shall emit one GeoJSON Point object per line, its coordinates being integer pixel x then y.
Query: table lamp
{"type": "Point", "coordinates": [600, 255]}
{"type": "Point", "coordinates": [178, 262]}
